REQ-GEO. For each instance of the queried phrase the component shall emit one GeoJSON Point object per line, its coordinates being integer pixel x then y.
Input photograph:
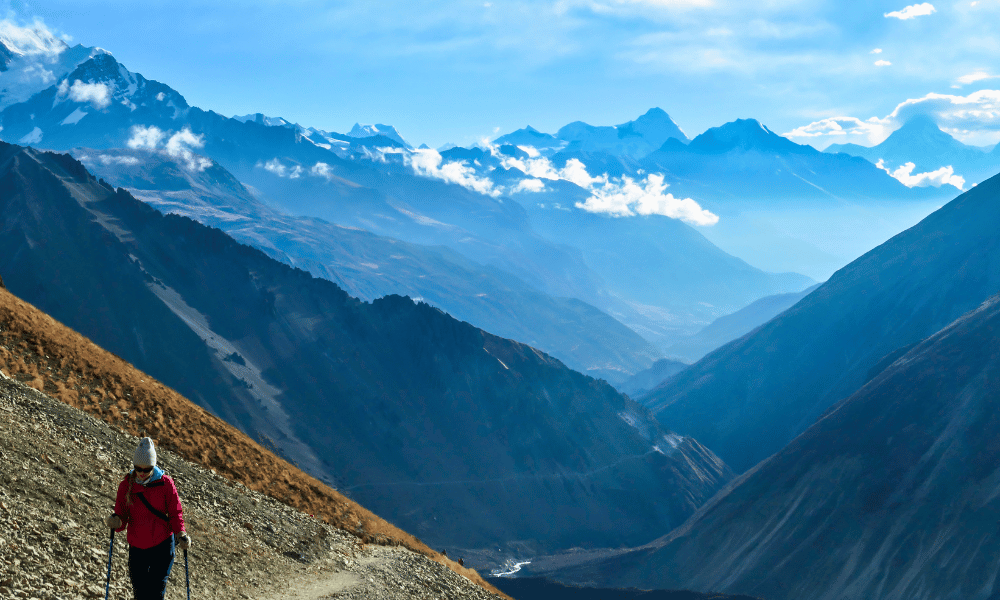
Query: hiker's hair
{"type": "Point", "coordinates": [130, 479]}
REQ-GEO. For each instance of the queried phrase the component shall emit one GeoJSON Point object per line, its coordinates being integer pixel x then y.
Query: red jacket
{"type": "Point", "coordinates": [145, 529]}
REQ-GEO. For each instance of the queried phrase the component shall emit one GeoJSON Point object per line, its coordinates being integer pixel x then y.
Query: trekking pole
{"type": "Point", "coordinates": [111, 547]}
{"type": "Point", "coordinates": [187, 573]}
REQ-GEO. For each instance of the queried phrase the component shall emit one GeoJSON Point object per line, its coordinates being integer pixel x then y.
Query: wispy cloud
{"type": "Point", "coordinates": [939, 177]}
{"type": "Point", "coordinates": [882, 63]}
{"type": "Point", "coordinates": [911, 12]}
{"type": "Point", "coordinates": [974, 77]}
{"type": "Point", "coordinates": [276, 167]}
{"type": "Point", "coordinates": [618, 197]}
{"type": "Point", "coordinates": [179, 145]}
{"type": "Point", "coordinates": [877, 51]}
{"type": "Point", "coordinates": [840, 127]}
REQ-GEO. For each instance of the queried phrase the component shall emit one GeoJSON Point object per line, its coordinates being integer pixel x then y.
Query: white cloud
{"type": "Point", "coordinates": [98, 94]}
{"type": "Point", "coordinates": [429, 163]}
{"type": "Point", "coordinates": [882, 63]}
{"type": "Point", "coordinates": [274, 166]}
{"type": "Point", "coordinates": [178, 145]}
{"type": "Point", "coordinates": [912, 11]}
{"type": "Point", "coordinates": [529, 185]}
{"type": "Point", "coordinates": [842, 127]}
{"type": "Point", "coordinates": [110, 159]}
{"type": "Point", "coordinates": [146, 137]}
{"type": "Point", "coordinates": [974, 77]}
{"type": "Point", "coordinates": [937, 178]}
{"type": "Point", "coordinates": [628, 197]}
{"type": "Point", "coordinates": [877, 51]}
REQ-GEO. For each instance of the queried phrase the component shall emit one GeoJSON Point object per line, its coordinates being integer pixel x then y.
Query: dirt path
{"type": "Point", "coordinates": [376, 572]}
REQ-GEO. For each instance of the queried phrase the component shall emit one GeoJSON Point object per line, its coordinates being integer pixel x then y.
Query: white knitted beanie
{"type": "Point", "coordinates": [145, 454]}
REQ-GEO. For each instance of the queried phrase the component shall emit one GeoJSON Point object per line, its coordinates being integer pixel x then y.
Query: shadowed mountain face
{"type": "Point", "coordinates": [749, 398]}
{"type": "Point", "coordinates": [465, 438]}
{"type": "Point", "coordinates": [893, 495]}
{"type": "Point", "coordinates": [728, 328]}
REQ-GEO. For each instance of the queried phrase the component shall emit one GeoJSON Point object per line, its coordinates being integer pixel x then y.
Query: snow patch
{"type": "Point", "coordinates": [74, 117]}
{"type": "Point", "coordinates": [32, 138]}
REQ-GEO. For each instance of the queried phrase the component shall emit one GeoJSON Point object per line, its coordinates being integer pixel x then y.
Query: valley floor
{"type": "Point", "coordinates": [59, 469]}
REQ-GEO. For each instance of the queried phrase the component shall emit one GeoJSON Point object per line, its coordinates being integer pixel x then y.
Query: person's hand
{"type": "Point", "coordinates": [113, 522]}
{"type": "Point", "coordinates": [184, 541]}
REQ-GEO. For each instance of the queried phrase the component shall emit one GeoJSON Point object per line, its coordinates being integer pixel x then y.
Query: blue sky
{"type": "Point", "coordinates": [458, 71]}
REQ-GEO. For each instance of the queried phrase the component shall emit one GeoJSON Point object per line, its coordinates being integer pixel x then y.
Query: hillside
{"type": "Point", "coordinates": [749, 398]}
{"type": "Point", "coordinates": [463, 438]}
{"type": "Point", "coordinates": [891, 495]}
{"type": "Point", "coordinates": [44, 354]}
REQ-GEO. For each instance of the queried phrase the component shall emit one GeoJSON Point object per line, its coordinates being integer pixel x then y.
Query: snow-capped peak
{"type": "Point", "coordinates": [33, 58]}
{"type": "Point", "coordinates": [364, 131]}
{"type": "Point", "coordinates": [30, 41]}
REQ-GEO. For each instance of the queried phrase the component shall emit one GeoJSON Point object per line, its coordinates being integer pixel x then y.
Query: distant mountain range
{"type": "Point", "coordinates": [920, 141]}
{"type": "Point", "coordinates": [464, 438]}
{"type": "Point", "coordinates": [369, 266]}
{"type": "Point", "coordinates": [377, 185]}
{"type": "Point", "coordinates": [634, 139]}
{"type": "Point", "coordinates": [751, 397]}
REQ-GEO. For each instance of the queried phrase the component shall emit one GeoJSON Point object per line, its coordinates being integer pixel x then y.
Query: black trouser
{"type": "Point", "coordinates": [148, 569]}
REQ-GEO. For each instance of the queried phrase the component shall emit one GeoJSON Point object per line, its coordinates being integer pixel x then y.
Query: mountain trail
{"type": "Point", "coordinates": [60, 467]}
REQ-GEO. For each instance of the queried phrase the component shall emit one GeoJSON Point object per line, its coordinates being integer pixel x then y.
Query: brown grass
{"type": "Point", "coordinates": [52, 358]}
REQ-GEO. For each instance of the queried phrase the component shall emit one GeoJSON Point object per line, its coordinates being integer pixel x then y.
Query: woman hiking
{"type": "Point", "coordinates": [149, 507]}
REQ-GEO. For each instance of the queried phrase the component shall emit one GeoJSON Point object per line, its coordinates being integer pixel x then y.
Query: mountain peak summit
{"type": "Point", "coordinates": [743, 134]}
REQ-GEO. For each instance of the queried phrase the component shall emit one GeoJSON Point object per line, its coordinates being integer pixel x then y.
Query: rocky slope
{"type": "Point", "coordinates": [464, 438]}
{"type": "Point", "coordinates": [45, 355]}
{"type": "Point", "coordinates": [893, 494]}
{"type": "Point", "coordinates": [59, 470]}
{"type": "Point", "coordinates": [749, 398]}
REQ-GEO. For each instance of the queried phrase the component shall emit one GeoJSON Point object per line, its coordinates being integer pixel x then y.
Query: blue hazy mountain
{"type": "Point", "coordinates": [732, 326]}
{"type": "Point", "coordinates": [634, 139]}
{"type": "Point", "coordinates": [378, 130]}
{"type": "Point", "coordinates": [529, 136]}
{"type": "Point", "coordinates": [373, 186]}
{"type": "Point", "coordinates": [642, 382]}
{"type": "Point", "coordinates": [743, 163]}
{"type": "Point", "coordinates": [888, 496]}
{"type": "Point", "coordinates": [921, 141]}
{"type": "Point", "coordinates": [368, 266]}
{"type": "Point", "coordinates": [749, 398]}
{"type": "Point", "coordinates": [464, 438]}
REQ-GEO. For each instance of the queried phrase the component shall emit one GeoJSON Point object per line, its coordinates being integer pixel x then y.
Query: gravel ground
{"type": "Point", "coordinates": [60, 468]}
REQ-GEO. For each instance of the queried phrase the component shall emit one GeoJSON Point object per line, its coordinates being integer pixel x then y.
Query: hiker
{"type": "Point", "coordinates": [149, 507]}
